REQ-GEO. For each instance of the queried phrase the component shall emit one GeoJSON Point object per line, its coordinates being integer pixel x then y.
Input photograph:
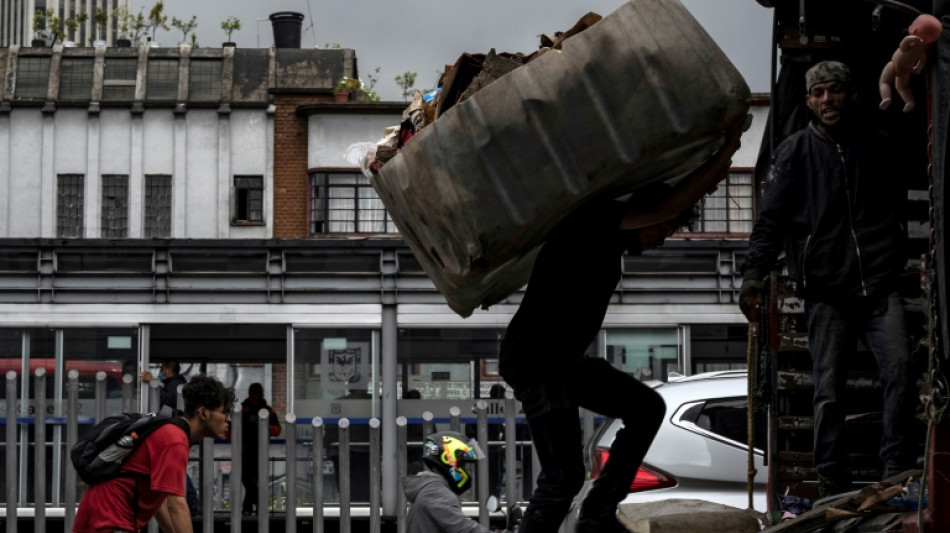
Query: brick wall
{"type": "Point", "coordinates": [291, 193]}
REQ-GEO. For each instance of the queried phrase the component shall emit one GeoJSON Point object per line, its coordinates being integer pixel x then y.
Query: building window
{"type": "Point", "coordinates": [69, 205]}
{"type": "Point", "coordinates": [346, 203]}
{"type": "Point", "coordinates": [248, 198]}
{"type": "Point", "coordinates": [158, 206]}
{"type": "Point", "coordinates": [75, 78]}
{"type": "Point", "coordinates": [119, 79]}
{"type": "Point", "coordinates": [729, 208]}
{"type": "Point", "coordinates": [162, 79]}
{"type": "Point", "coordinates": [204, 80]}
{"type": "Point", "coordinates": [115, 206]}
{"type": "Point", "coordinates": [32, 77]}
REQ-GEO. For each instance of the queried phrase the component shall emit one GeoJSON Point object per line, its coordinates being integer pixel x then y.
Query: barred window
{"type": "Point", "coordinates": [75, 78]}
{"type": "Point", "coordinates": [32, 77]}
{"type": "Point", "coordinates": [69, 205]}
{"type": "Point", "coordinates": [729, 208]}
{"type": "Point", "coordinates": [162, 79]}
{"type": "Point", "coordinates": [204, 80]}
{"type": "Point", "coordinates": [118, 80]}
{"type": "Point", "coordinates": [115, 206]}
{"type": "Point", "coordinates": [248, 198]}
{"type": "Point", "coordinates": [346, 203]}
{"type": "Point", "coordinates": [158, 206]}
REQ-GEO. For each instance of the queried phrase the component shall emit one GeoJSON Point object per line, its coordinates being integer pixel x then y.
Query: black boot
{"type": "Point", "coordinates": [604, 521]}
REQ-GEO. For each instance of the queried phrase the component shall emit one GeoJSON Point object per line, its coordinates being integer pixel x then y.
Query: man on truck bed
{"type": "Point", "coordinates": [833, 200]}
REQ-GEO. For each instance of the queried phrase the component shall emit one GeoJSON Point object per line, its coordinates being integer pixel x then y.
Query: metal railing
{"type": "Point", "coordinates": [215, 461]}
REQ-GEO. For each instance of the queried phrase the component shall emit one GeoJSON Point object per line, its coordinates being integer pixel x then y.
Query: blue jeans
{"type": "Point", "coordinates": [551, 410]}
{"type": "Point", "coordinates": [833, 330]}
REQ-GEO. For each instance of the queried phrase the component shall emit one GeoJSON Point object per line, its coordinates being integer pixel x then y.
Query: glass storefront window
{"type": "Point", "coordinates": [648, 353]}
{"type": "Point", "coordinates": [448, 363]}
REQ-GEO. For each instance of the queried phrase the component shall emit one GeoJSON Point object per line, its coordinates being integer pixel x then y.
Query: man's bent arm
{"type": "Point", "coordinates": [173, 516]}
{"type": "Point", "coordinates": [690, 189]}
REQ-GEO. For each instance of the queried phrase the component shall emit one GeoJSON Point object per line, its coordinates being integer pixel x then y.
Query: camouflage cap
{"type": "Point", "coordinates": [826, 71]}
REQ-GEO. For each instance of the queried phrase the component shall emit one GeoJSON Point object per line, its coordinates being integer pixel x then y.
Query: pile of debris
{"type": "Point", "coordinates": [470, 74]}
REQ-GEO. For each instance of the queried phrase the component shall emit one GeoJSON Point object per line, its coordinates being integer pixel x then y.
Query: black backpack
{"type": "Point", "coordinates": [99, 454]}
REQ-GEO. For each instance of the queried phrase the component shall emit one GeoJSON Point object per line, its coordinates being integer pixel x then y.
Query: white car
{"type": "Point", "coordinates": [700, 451]}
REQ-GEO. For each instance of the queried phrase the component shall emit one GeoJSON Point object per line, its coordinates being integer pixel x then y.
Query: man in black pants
{"type": "Point", "coordinates": [542, 353]}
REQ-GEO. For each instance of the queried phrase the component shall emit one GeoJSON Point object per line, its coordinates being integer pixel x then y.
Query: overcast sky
{"type": "Point", "coordinates": [423, 35]}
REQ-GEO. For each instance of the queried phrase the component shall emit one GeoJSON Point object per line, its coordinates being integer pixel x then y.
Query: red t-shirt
{"type": "Point", "coordinates": [107, 506]}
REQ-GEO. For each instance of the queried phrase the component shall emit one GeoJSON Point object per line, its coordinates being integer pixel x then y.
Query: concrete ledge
{"type": "Point", "coordinates": [686, 516]}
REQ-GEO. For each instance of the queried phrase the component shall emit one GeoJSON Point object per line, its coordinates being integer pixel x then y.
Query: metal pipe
{"type": "Point", "coordinates": [290, 509]}
{"type": "Point", "coordinates": [128, 393]}
{"type": "Point", "coordinates": [510, 453]}
{"type": "Point", "coordinates": [481, 412]}
{"type": "Point", "coordinates": [455, 422]}
{"type": "Point", "coordinates": [401, 436]}
{"type": "Point", "coordinates": [263, 478]}
{"type": "Point", "coordinates": [13, 481]}
{"type": "Point", "coordinates": [72, 434]}
{"type": "Point", "coordinates": [391, 445]}
{"type": "Point", "coordinates": [375, 477]}
{"type": "Point", "coordinates": [39, 453]}
{"type": "Point", "coordinates": [207, 484]}
{"type": "Point", "coordinates": [100, 396]}
{"type": "Point", "coordinates": [344, 475]}
{"type": "Point", "coordinates": [428, 424]}
{"type": "Point", "coordinates": [317, 423]}
{"type": "Point", "coordinates": [154, 397]}
{"type": "Point", "coordinates": [237, 466]}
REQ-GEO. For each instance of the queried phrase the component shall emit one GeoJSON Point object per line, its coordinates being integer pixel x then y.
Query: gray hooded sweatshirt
{"type": "Point", "coordinates": [435, 508]}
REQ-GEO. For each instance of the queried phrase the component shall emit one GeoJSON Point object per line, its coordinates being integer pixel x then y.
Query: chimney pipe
{"type": "Point", "coordinates": [286, 25]}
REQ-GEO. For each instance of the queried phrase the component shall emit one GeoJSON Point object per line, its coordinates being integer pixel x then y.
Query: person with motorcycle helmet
{"type": "Point", "coordinates": [433, 494]}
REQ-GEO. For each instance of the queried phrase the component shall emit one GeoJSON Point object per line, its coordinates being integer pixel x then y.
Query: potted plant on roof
{"type": "Point", "coordinates": [185, 26]}
{"type": "Point", "coordinates": [101, 18]}
{"type": "Point", "coordinates": [131, 27]}
{"type": "Point", "coordinates": [72, 24]}
{"type": "Point", "coordinates": [229, 26]}
{"type": "Point", "coordinates": [345, 87]}
{"type": "Point", "coordinates": [41, 21]}
{"type": "Point", "coordinates": [156, 19]}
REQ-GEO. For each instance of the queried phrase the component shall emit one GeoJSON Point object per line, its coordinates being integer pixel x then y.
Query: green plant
{"type": "Point", "coordinates": [72, 24]}
{"type": "Point", "coordinates": [406, 81]}
{"type": "Point", "coordinates": [230, 25]}
{"type": "Point", "coordinates": [101, 18]}
{"type": "Point", "coordinates": [185, 27]}
{"type": "Point", "coordinates": [348, 84]}
{"type": "Point", "coordinates": [131, 26]}
{"type": "Point", "coordinates": [156, 18]}
{"type": "Point", "coordinates": [194, 40]}
{"type": "Point", "coordinates": [368, 94]}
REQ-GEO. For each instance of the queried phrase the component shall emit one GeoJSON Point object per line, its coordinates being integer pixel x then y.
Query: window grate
{"type": "Point", "coordinates": [115, 206]}
{"type": "Point", "coordinates": [729, 208]}
{"type": "Point", "coordinates": [119, 79]}
{"type": "Point", "coordinates": [32, 77]}
{"type": "Point", "coordinates": [249, 198]}
{"type": "Point", "coordinates": [158, 206]}
{"type": "Point", "coordinates": [69, 205]}
{"type": "Point", "coordinates": [162, 79]}
{"type": "Point", "coordinates": [347, 203]}
{"type": "Point", "coordinates": [75, 79]}
{"type": "Point", "coordinates": [204, 81]}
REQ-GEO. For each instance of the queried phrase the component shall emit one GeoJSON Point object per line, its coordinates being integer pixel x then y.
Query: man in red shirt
{"type": "Point", "coordinates": [156, 484]}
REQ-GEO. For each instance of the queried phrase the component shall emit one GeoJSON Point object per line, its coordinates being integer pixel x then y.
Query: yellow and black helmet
{"type": "Point", "coordinates": [447, 452]}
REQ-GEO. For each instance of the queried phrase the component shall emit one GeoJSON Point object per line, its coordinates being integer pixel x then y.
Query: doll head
{"type": "Point", "coordinates": [927, 27]}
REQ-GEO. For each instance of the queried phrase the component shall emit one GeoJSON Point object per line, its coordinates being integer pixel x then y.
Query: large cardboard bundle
{"type": "Point", "coordinates": [642, 96]}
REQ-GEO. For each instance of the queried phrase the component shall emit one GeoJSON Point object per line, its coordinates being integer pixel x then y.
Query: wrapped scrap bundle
{"type": "Point", "coordinates": [643, 95]}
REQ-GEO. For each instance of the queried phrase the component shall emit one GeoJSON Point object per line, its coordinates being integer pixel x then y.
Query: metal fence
{"type": "Point", "coordinates": [279, 495]}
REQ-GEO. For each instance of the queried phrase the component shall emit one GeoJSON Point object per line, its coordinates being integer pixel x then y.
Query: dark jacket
{"type": "Point", "coordinates": [170, 390]}
{"type": "Point", "coordinates": [435, 508]}
{"type": "Point", "coordinates": [837, 211]}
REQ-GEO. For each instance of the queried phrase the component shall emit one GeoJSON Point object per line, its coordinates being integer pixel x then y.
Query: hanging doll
{"type": "Point", "coordinates": [909, 58]}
